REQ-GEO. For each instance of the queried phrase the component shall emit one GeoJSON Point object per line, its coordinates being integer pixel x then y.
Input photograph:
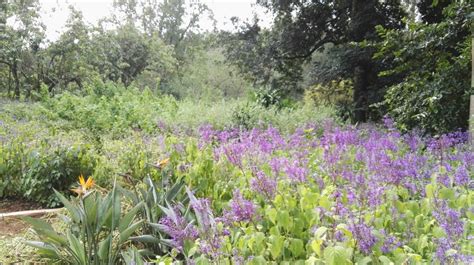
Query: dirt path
{"type": "Point", "coordinates": [14, 226]}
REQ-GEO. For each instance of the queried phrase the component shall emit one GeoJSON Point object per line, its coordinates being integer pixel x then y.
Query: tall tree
{"type": "Point", "coordinates": [67, 61]}
{"type": "Point", "coordinates": [171, 20]}
{"type": "Point", "coordinates": [433, 61]}
{"type": "Point", "coordinates": [20, 41]}
{"type": "Point", "coordinates": [301, 28]}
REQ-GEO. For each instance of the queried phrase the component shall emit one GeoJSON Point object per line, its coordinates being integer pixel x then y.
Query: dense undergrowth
{"type": "Point", "coordinates": [235, 183]}
{"type": "Point", "coordinates": [111, 130]}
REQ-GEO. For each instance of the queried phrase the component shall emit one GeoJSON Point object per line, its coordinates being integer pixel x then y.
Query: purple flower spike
{"type": "Point", "coordinates": [263, 185]}
{"type": "Point", "coordinates": [241, 210]}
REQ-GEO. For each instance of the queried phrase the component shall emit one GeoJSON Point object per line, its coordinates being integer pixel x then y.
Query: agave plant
{"type": "Point", "coordinates": [96, 229]}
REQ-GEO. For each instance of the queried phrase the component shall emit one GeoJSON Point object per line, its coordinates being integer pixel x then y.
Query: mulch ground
{"type": "Point", "coordinates": [14, 226]}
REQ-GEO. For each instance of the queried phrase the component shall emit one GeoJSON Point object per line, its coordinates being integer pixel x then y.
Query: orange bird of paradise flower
{"type": "Point", "coordinates": [161, 164]}
{"type": "Point", "coordinates": [83, 185]}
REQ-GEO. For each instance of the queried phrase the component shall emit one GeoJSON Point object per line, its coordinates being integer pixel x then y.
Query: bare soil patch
{"type": "Point", "coordinates": [13, 226]}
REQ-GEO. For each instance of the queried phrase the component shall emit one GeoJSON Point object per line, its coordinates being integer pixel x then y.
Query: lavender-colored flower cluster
{"type": "Point", "coordinates": [264, 185]}
{"type": "Point", "coordinates": [365, 169]}
{"type": "Point", "coordinates": [364, 237]}
{"type": "Point", "coordinates": [241, 210]}
{"type": "Point", "coordinates": [449, 219]}
{"type": "Point", "coordinates": [178, 229]}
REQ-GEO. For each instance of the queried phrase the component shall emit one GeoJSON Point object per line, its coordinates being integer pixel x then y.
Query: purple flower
{"type": "Point", "coordinates": [237, 258]}
{"type": "Point", "coordinates": [339, 236]}
{"type": "Point", "coordinates": [461, 177]}
{"type": "Point", "coordinates": [390, 243]}
{"type": "Point", "coordinates": [388, 123]}
{"type": "Point", "coordinates": [364, 237]}
{"type": "Point", "coordinates": [210, 239]}
{"type": "Point", "coordinates": [450, 220]}
{"type": "Point", "coordinates": [277, 163]}
{"type": "Point", "coordinates": [296, 172]}
{"type": "Point", "coordinates": [241, 210]}
{"type": "Point", "coordinates": [443, 246]}
{"type": "Point", "coordinates": [263, 185]}
{"type": "Point", "coordinates": [175, 226]}
{"type": "Point", "coordinates": [234, 153]}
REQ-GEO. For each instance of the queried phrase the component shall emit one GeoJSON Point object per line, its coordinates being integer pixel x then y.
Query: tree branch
{"type": "Point", "coordinates": [5, 62]}
{"type": "Point", "coordinates": [316, 46]}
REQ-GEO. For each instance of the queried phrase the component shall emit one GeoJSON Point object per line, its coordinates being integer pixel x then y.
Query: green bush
{"type": "Point", "coordinates": [55, 170]}
{"type": "Point", "coordinates": [31, 173]}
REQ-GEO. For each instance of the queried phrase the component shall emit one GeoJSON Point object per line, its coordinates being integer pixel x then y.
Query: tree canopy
{"type": "Point", "coordinates": [370, 58]}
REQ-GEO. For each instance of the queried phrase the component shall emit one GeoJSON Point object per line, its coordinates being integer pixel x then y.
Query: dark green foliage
{"type": "Point", "coordinates": [275, 57]}
{"type": "Point", "coordinates": [31, 173]}
{"type": "Point", "coordinates": [432, 63]}
{"type": "Point", "coordinates": [244, 116]}
{"type": "Point", "coordinates": [267, 97]}
{"type": "Point", "coordinates": [431, 11]}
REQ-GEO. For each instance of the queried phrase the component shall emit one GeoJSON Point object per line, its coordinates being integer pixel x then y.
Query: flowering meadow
{"type": "Point", "coordinates": [329, 194]}
{"type": "Point", "coordinates": [320, 192]}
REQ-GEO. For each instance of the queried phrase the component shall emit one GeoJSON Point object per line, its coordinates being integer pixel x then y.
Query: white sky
{"type": "Point", "coordinates": [55, 12]}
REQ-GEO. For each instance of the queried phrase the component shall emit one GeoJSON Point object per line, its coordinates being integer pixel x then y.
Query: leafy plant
{"type": "Point", "coordinates": [95, 232]}
{"type": "Point", "coordinates": [153, 195]}
{"type": "Point", "coordinates": [268, 96]}
{"type": "Point", "coordinates": [244, 116]}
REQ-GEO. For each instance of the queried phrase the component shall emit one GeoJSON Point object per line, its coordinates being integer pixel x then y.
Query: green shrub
{"type": "Point", "coordinates": [245, 116]}
{"type": "Point", "coordinates": [268, 96]}
{"type": "Point", "coordinates": [55, 170]}
{"type": "Point", "coordinates": [32, 172]}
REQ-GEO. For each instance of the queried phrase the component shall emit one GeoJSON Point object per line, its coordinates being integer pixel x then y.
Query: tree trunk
{"type": "Point", "coordinates": [471, 119]}
{"type": "Point", "coordinates": [361, 27]}
{"type": "Point", "coordinates": [471, 109]}
{"type": "Point", "coordinates": [9, 81]}
{"type": "Point", "coordinates": [360, 92]}
{"type": "Point", "coordinates": [16, 78]}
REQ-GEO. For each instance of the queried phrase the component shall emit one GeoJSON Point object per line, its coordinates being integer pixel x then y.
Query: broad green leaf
{"type": "Point", "coordinates": [324, 202]}
{"type": "Point", "coordinates": [258, 260]}
{"type": "Point", "coordinates": [336, 256]}
{"type": "Point", "coordinates": [90, 208]}
{"type": "Point", "coordinates": [146, 239]}
{"type": "Point", "coordinates": [296, 247]}
{"type": "Point", "coordinates": [385, 260]}
{"type": "Point", "coordinates": [272, 214]}
{"type": "Point", "coordinates": [320, 232]}
{"type": "Point", "coordinates": [430, 190]}
{"type": "Point", "coordinates": [438, 232]}
{"type": "Point", "coordinates": [446, 194]}
{"type": "Point", "coordinates": [283, 219]}
{"type": "Point", "coordinates": [316, 246]}
{"type": "Point", "coordinates": [44, 250]}
{"type": "Point", "coordinates": [77, 248]}
{"type": "Point", "coordinates": [128, 218]}
{"type": "Point", "coordinates": [73, 211]}
{"type": "Point", "coordinates": [125, 235]}
{"type": "Point", "coordinates": [276, 246]}
{"type": "Point", "coordinates": [364, 261]}
{"type": "Point", "coordinates": [104, 248]}
{"type": "Point", "coordinates": [37, 223]}
{"type": "Point", "coordinates": [51, 236]}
